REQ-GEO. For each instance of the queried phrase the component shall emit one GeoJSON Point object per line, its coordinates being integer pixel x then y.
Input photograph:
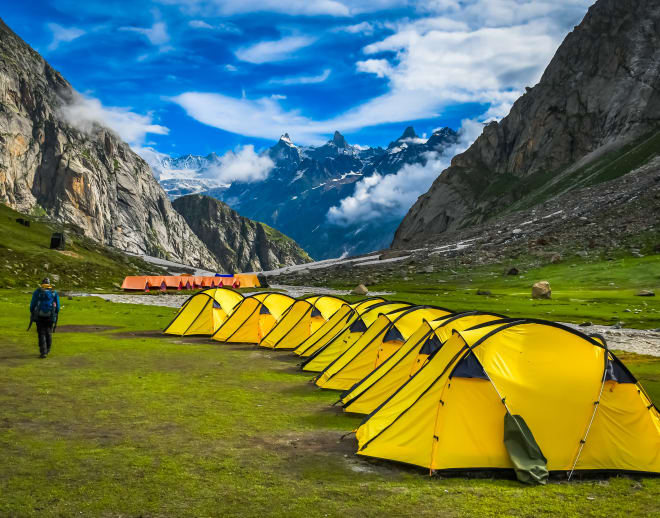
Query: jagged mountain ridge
{"type": "Point", "coordinates": [93, 180]}
{"type": "Point", "coordinates": [597, 102]}
{"type": "Point", "coordinates": [307, 181]}
{"type": "Point", "coordinates": [239, 243]}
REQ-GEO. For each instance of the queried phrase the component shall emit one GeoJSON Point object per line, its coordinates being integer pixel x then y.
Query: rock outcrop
{"type": "Point", "coordinates": [89, 178]}
{"type": "Point", "coordinates": [591, 118]}
{"type": "Point", "coordinates": [239, 243]}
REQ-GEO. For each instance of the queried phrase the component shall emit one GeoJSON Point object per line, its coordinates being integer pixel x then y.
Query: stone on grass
{"type": "Point", "coordinates": [513, 271]}
{"type": "Point", "coordinates": [645, 293]}
{"type": "Point", "coordinates": [586, 324]}
{"type": "Point", "coordinates": [360, 289]}
{"type": "Point", "coordinates": [484, 292]}
{"type": "Point", "coordinates": [541, 290]}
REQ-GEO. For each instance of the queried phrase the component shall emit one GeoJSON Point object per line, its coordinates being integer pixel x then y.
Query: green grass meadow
{"type": "Point", "coordinates": [127, 422]}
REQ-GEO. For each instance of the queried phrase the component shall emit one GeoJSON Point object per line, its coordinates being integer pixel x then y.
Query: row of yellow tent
{"type": "Point", "coordinates": [452, 391]}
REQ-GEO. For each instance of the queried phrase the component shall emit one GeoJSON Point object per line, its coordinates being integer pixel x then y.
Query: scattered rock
{"type": "Point", "coordinates": [513, 271]}
{"type": "Point", "coordinates": [360, 289]}
{"type": "Point", "coordinates": [586, 324]}
{"type": "Point", "coordinates": [637, 254]}
{"type": "Point", "coordinates": [582, 253]}
{"type": "Point", "coordinates": [627, 310]}
{"type": "Point", "coordinates": [116, 286]}
{"type": "Point", "coordinates": [645, 293]}
{"type": "Point", "coordinates": [54, 277]}
{"type": "Point", "coordinates": [541, 290]}
{"type": "Point", "coordinates": [556, 258]}
{"type": "Point", "coordinates": [516, 231]}
{"type": "Point", "coordinates": [428, 269]}
{"type": "Point", "coordinates": [484, 292]}
{"type": "Point", "coordinates": [618, 325]}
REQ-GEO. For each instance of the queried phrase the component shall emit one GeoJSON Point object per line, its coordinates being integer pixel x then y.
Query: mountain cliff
{"type": "Point", "coordinates": [91, 178]}
{"type": "Point", "coordinates": [594, 116]}
{"type": "Point", "coordinates": [239, 243]}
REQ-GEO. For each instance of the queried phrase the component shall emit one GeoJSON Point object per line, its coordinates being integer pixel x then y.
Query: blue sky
{"type": "Point", "coordinates": [197, 76]}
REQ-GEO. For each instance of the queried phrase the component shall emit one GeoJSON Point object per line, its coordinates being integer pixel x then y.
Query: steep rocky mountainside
{"type": "Point", "coordinates": [239, 243]}
{"type": "Point", "coordinates": [306, 182]}
{"type": "Point", "coordinates": [90, 179]}
{"type": "Point", "coordinates": [594, 116]}
{"type": "Point", "coordinates": [613, 219]}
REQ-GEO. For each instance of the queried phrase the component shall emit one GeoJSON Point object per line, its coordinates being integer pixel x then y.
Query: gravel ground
{"type": "Point", "coordinates": [631, 340]}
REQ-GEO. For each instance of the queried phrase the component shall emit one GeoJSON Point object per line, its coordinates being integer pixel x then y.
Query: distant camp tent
{"type": "Point", "coordinates": [189, 282]}
{"type": "Point", "coordinates": [301, 320]}
{"type": "Point", "coordinates": [323, 355]}
{"type": "Point", "coordinates": [368, 393]}
{"type": "Point", "coordinates": [383, 338]}
{"type": "Point", "coordinates": [343, 317]}
{"type": "Point", "coordinates": [203, 312]}
{"type": "Point", "coordinates": [253, 318]}
{"type": "Point", "coordinates": [527, 395]}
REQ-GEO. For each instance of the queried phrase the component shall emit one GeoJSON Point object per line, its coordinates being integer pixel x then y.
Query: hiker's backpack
{"type": "Point", "coordinates": [46, 303]}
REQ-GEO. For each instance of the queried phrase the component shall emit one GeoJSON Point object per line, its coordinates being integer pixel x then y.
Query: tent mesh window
{"type": "Point", "coordinates": [469, 367]}
{"type": "Point", "coordinates": [358, 326]}
{"type": "Point", "coordinates": [393, 335]}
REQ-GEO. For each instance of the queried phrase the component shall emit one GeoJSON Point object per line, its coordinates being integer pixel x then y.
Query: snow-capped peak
{"type": "Point", "coordinates": [287, 140]}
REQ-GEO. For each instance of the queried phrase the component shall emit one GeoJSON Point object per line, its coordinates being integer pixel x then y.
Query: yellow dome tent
{"type": "Point", "coordinates": [253, 318]}
{"type": "Point", "coordinates": [368, 393]}
{"type": "Point", "coordinates": [327, 353]}
{"type": "Point", "coordinates": [302, 319]}
{"type": "Point", "coordinates": [203, 312]}
{"type": "Point", "coordinates": [528, 395]}
{"type": "Point", "coordinates": [344, 316]}
{"type": "Point", "coordinates": [382, 340]}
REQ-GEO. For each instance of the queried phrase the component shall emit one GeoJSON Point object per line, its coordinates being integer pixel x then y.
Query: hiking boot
{"type": "Point", "coordinates": [42, 356]}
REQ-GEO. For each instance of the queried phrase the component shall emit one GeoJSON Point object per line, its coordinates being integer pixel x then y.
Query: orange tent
{"type": "Point", "coordinates": [188, 282]}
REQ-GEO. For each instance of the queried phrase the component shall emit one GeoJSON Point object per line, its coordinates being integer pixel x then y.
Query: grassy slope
{"type": "Point", "coordinates": [599, 291]}
{"type": "Point", "coordinates": [159, 427]}
{"type": "Point", "coordinates": [24, 252]}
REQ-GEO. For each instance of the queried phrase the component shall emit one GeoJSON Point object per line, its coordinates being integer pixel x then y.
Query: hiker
{"type": "Point", "coordinates": [44, 309]}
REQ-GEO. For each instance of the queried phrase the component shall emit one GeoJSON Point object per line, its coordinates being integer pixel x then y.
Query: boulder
{"type": "Point", "coordinates": [360, 289]}
{"type": "Point", "coordinates": [428, 269]}
{"type": "Point", "coordinates": [541, 290]}
{"type": "Point", "coordinates": [645, 293]}
{"type": "Point", "coordinates": [556, 258]}
{"type": "Point", "coordinates": [513, 271]}
{"type": "Point", "coordinates": [484, 292]}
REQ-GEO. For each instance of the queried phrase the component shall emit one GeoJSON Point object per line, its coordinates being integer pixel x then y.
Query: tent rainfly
{"type": "Point", "coordinates": [383, 338]}
{"type": "Point", "coordinates": [344, 316]}
{"type": "Point", "coordinates": [203, 312]}
{"type": "Point", "coordinates": [324, 355]}
{"type": "Point", "coordinates": [253, 318]}
{"type": "Point", "coordinates": [527, 395]}
{"type": "Point", "coordinates": [300, 321]}
{"type": "Point", "coordinates": [188, 282]}
{"type": "Point", "coordinates": [368, 393]}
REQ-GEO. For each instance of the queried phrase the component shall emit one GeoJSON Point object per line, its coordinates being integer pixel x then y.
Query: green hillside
{"type": "Point", "coordinates": [25, 257]}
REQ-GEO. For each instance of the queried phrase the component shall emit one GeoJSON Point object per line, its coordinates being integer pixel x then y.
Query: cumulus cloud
{"type": "Point", "coordinates": [273, 50]}
{"type": "Point", "coordinates": [242, 165]}
{"type": "Point", "coordinates": [379, 197]}
{"type": "Point", "coordinates": [87, 113]}
{"type": "Point", "coordinates": [301, 79]}
{"type": "Point", "coordinates": [63, 34]}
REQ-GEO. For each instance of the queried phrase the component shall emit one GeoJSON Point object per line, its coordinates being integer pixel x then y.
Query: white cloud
{"type": "Point", "coordinates": [301, 80]}
{"type": "Point", "coordinates": [290, 7]}
{"type": "Point", "coordinates": [63, 34]}
{"type": "Point", "coordinates": [379, 197]}
{"type": "Point", "coordinates": [474, 51]}
{"type": "Point", "coordinates": [365, 28]}
{"type": "Point", "coordinates": [199, 24]}
{"type": "Point", "coordinates": [242, 165]}
{"type": "Point", "coordinates": [275, 50]}
{"type": "Point", "coordinates": [87, 113]}
{"type": "Point", "coordinates": [156, 34]}
{"type": "Point", "coordinates": [230, 68]}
